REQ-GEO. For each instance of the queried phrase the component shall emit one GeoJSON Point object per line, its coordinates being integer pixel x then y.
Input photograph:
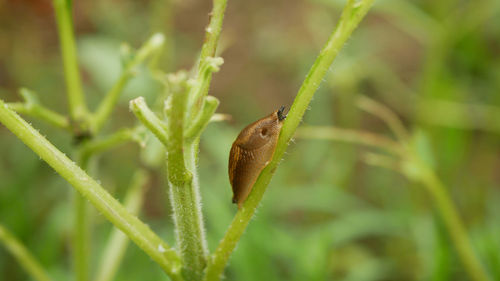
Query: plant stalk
{"type": "Point", "coordinates": [23, 256]}
{"type": "Point", "coordinates": [352, 14]}
{"type": "Point", "coordinates": [183, 185]}
{"type": "Point", "coordinates": [135, 229]}
{"type": "Point", "coordinates": [76, 99]}
{"type": "Point", "coordinates": [455, 226]}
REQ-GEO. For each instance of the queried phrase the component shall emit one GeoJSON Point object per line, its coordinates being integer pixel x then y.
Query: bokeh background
{"type": "Point", "coordinates": [327, 215]}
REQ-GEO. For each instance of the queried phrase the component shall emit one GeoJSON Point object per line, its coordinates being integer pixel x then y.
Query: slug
{"type": "Point", "coordinates": [252, 150]}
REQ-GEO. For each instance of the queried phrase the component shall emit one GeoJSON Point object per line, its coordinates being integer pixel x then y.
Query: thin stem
{"type": "Point", "coordinates": [383, 161]}
{"type": "Point", "coordinates": [208, 53]}
{"type": "Point", "coordinates": [152, 46]}
{"type": "Point", "coordinates": [117, 244]}
{"type": "Point", "coordinates": [184, 193]}
{"type": "Point", "coordinates": [23, 256]}
{"type": "Point", "coordinates": [460, 115]}
{"type": "Point", "coordinates": [81, 229]}
{"type": "Point", "coordinates": [213, 30]}
{"type": "Point", "coordinates": [204, 117]}
{"type": "Point", "coordinates": [198, 89]}
{"type": "Point", "coordinates": [97, 146]}
{"type": "Point", "coordinates": [78, 113]}
{"type": "Point", "coordinates": [416, 169]}
{"type": "Point", "coordinates": [53, 118]}
{"type": "Point", "coordinates": [147, 117]}
{"type": "Point", "coordinates": [33, 108]}
{"type": "Point", "coordinates": [81, 237]}
{"type": "Point", "coordinates": [455, 226]}
{"type": "Point", "coordinates": [135, 229]}
{"type": "Point", "coordinates": [351, 136]}
{"type": "Point", "coordinates": [351, 16]}
{"type": "Point", "coordinates": [76, 99]}
{"type": "Point", "coordinates": [387, 115]}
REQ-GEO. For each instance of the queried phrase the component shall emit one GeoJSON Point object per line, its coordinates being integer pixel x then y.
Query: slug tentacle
{"type": "Point", "coordinates": [251, 152]}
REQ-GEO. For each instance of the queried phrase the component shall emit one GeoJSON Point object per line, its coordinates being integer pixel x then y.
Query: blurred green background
{"type": "Point", "coordinates": [326, 215]}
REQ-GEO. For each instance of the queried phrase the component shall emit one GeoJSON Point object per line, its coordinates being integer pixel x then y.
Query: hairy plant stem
{"type": "Point", "coordinates": [27, 261]}
{"type": "Point", "coordinates": [138, 232]}
{"type": "Point", "coordinates": [183, 185]}
{"type": "Point", "coordinates": [352, 14]}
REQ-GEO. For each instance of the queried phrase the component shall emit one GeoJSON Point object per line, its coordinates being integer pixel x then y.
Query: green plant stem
{"type": "Point", "coordinates": [79, 114]}
{"type": "Point", "coordinates": [153, 45]}
{"type": "Point", "coordinates": [351, 136]}
{"type": "Point", "coordinates": [81, 229]}
{"type": "Point", "coordinates": [23, 256]}
{"type": "Point", "coordinates": [76, 99]}
{"type": "Point", "coordinates": [184, 191]}
{"type": "Point", "coordinates": [203, 118]}
{"type": "Point", "coordinates": [385, 114]}
{"type": "Point", "coordinates": [81, 237]}
{"type": "Point", "coordinates": [40, 112]}
{"type": "Point", "coordinates": [208, 53]}
{"type": "Point", "coordinates": [32, 107]}
{"type": "Point", "coordinates": [147, 117]}
{"type": "Point", "coordinates": [460, 115]}
{"type": "Point", "coordinates": [351, 16]}
{"type": "Point", "coordinates": [117, 244]}
{"type": "Point", "coordinates": [135, 229]}
{"type": "Point", "coordinates": [97, 146]}
{"type": "Point", "coordinates": [199, 87]}
{"type": "Point", "coordinates": [454, 225]}
{"type": "Point", "coordinates": [213, 30]}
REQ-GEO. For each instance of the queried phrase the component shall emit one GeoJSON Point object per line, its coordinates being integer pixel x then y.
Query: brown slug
{"type": "Point", "coordinates": [252, 150]}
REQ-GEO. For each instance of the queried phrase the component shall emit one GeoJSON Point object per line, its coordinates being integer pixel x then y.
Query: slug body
{"type": "Point", "coordinates": [252, 150]}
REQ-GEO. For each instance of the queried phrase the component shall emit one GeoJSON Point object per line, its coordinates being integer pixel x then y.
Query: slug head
{"type": "Point", "coordinates": [262, 131]}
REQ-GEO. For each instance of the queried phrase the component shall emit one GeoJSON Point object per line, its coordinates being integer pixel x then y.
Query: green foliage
{"type": "Point", "coordinates": [424, 208]}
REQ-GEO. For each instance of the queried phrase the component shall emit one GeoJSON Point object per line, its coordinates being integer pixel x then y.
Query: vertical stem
{"type": "Point", "coordinates": [81, 231]}
{"type": "Point", "coordinates": [183, 185]}
{"type": "Point", "coordinates": [212, 32]}
{"type": "Point", "coordinates": [209, 48]}
{"type": "Point", "coordinates": [81, 237]}
{"type": "Point", "coordinates": [78, 112]}
{"type": "Point", "coordinates": [189, 223]}
{"type": "Point", "coordinates": [76, 99]}
{"type": "Point", "coordinates": [114, 252]}
{"type": "Point", "coordinates": [455, 227]}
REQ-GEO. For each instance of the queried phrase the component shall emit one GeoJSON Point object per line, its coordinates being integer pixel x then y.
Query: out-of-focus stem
{"type": "Point", "coordinates": [76, 99]}
{"type": "Point", "coordinates": [351, 136]}
{"type": "Point", "coordinates": [153, 45]}
{"type": "Point", "coordinates": [117, 244]}
{"type": "Point", "coordinates": [23, 256]}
